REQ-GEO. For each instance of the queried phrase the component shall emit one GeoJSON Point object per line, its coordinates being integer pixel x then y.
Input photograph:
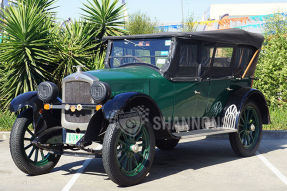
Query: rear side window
{"type": "Point", "coordinates": [222, 57]}
{"type": "Point", "coordinates": [242, 58]}
{"type": "Point", "coordinates": [220, 62]}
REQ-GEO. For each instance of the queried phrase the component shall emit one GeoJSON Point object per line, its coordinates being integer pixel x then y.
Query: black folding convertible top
{"type": "Point", "coordinates": [230, 36]}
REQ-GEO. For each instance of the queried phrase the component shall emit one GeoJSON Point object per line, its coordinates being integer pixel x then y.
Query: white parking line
{"type": "Point", "coordinates": [272, 168]}
{"type": "Point", "coordinates": [77, 175]}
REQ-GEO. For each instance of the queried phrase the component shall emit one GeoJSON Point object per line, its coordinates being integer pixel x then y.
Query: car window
{"type": "Point", "coordinates": [216, 62]}
{"type": "Point", "coordinates": [243, 56]}
{"type": "Point", "coordinates": [189, 59]}
{"type": "Point", "coordinates": [222, 57]}
{"type": "Point", "coordinates": [147, 51]}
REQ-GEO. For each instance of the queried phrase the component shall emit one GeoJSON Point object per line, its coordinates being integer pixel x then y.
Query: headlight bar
{"type": "Point", "coordinates": [73, 107]}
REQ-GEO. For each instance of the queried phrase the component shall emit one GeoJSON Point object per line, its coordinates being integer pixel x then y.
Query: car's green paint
{"type": "Point", "coordinates": [141, 79]}
{"type": "Point", "coordinates": [180, 99]}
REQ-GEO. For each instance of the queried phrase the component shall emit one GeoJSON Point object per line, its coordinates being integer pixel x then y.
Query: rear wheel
{"type": "Point", "coordinates": [166, 144]}
{"type": "Point", "coordinates": [127, 159]}
{"type": "Point", "coordinates": [246, 141]}
{"type": "Point", "coordinates": [27, 157]}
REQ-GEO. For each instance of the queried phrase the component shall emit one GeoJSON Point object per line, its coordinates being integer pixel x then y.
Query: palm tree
{"type": "Point", "coordinates": [73, 46]}
{"type": "Point", "coordinates": [25, 48]}
{"type": "Point", "coordinates": [106, 18]}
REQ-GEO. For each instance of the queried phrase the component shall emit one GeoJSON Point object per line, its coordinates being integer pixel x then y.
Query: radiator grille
{"type": "Point", "coordinates": [78, 92]}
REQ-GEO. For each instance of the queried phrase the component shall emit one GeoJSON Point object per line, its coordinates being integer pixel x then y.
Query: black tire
{"type": "Point", "coordinates": [238, 142]}
{"type": "Point", "coordinates": [166, 144]}
{"type": "Point", "coordinates": [111, 160]}
{"type": "Point", "coordinates": [19, 153]}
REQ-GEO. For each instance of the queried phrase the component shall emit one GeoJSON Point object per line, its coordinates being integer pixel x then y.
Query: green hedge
{"type": "Point", "coordinates": [6, 121]}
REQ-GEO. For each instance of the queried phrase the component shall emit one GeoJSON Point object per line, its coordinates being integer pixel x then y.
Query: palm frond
{"type": "Point", "coordinates": [25, 50]}
{"type": "Point", "coordinates": [74, 46]}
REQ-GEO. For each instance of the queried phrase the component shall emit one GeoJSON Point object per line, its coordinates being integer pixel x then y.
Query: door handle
{"type": "Point", "coordinates": [196, 92]}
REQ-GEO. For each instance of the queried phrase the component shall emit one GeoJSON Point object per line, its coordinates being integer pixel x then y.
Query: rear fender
{"type": "Point", "coordinates": [241, 96]}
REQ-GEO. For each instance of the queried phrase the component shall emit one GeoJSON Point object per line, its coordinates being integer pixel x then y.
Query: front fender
{"type": "Point", "coordinates": [107, 112]}
{"type": "Point", "coordinates": [26, 99]}
{"type": "Point", "coordinates": [31, 100]}
{"type": "Point", "coordinates": [118, 103]}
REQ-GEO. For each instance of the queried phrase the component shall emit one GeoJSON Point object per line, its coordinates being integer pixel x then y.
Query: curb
{"type": "Point", "coordinates": [4, 135]}
{"type": "Point", "coordinates": [267, 134]}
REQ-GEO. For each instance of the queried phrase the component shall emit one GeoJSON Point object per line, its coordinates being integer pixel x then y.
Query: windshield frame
{"type": "Point", "coordinates": [110, 47]}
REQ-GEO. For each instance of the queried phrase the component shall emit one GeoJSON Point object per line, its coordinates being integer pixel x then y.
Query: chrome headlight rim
{"type": "Point", "coordinates": [103, 88]}
{"type": "Point", "coordinates": [47, 91]}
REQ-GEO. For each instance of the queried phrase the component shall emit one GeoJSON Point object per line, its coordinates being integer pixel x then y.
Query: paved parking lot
{"type": "Point", "coordinates": [207, 164]}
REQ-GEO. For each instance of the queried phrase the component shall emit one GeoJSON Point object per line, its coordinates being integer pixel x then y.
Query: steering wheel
{"type": "Point", "coordinates": [131, 56]}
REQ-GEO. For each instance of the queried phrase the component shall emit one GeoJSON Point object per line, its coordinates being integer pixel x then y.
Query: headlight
{"type": "Point", "coordinates": [100, 91]}
{"type": "Point", "coordinates": [47, 91]}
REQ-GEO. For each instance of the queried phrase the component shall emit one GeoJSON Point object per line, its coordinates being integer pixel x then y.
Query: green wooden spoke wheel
{"type": "Point", "coordinates": [37, 156]}
{"type": "Point", "coordinates": [246, 141]}
{"type": "Point", "coordinates": [27, 157]}
{"type": "Point", "coordinates": [249, 127]}
{"type": "Point", "coordinates": [127, 159]}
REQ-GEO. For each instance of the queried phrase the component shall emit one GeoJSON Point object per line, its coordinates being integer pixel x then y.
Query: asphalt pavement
{"type": "Point", "coordinates": [197, 164]}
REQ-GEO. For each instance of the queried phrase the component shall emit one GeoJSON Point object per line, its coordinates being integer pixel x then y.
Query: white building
{"type": "Point", "coordinates": [250, 9]}
{"type": "Point", "coordinates": [217, 11]}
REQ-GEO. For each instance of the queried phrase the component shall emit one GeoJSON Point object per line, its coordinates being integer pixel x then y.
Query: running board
{"type": "Point", "coordinates": [79, 154]}
{"type": "Point", "coordinates": [204, 132]}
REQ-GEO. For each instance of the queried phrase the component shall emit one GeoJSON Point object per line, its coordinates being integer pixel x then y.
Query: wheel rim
{"type": "Point", "coordinates": [36, 155]}
{"type": "Point", "coordinates": [132, 152]}
{"type": "Point", "coordinates": [249, 127]}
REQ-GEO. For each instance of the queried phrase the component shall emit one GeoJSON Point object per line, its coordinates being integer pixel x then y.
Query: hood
{"type": "Point", "coordinates": [127, 79]}
{"type": "Point", "coordinates": [125, 73]}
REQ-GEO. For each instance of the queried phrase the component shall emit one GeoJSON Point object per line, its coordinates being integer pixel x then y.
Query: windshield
{"type": "Point", "coordinates": [144, 51]}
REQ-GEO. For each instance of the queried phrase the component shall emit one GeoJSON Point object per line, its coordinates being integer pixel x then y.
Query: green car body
{"type": "Point", "coordinates": [155, 89]}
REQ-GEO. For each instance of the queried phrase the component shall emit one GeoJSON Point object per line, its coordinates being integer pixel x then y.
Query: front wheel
{"type": "Point", "coordinates": [127, 158]}
{"type": "Point", "coordinates": [246, 141]}
{"type": "Point", "coordinates": [27, 157]}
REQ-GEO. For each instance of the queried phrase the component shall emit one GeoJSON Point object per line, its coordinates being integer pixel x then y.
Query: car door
{"type": "Point", "coordinates": [189, 91]}
{"type": "Point", "coordinates": [220, 75]}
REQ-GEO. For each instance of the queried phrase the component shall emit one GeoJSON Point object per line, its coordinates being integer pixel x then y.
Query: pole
{"type": "Point", "coordinates": [182, 13]}
{"type": "Point", "coordinates": [125, 11]}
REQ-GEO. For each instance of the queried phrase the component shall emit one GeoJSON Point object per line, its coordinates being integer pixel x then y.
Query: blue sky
{"type": "Point", "coordinates": [163, 10]}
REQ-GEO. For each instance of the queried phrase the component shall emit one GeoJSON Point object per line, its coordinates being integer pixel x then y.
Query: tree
{"type": "Point", "coordinates": [73, 46]}
{"type": "Point", "coordinates": [190, 25]}
{"type": "Point", "coordinates": [106, 18]}
{"type": "Point", "coordinates": [272, 68]}
{"type": "Point", "coordinates": [140, 23]}
{"type": "Point", "coordinates": [25, 49]}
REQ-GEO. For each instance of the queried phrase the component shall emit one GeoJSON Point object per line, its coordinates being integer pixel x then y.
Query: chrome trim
{"type": "Point", "coordinates": [204, 132]}
{"type": "Point", "coordinates": [78, 76]}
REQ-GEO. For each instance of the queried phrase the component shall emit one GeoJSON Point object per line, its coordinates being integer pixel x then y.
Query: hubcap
{"type": "Point", "coordinates": [248, 127]}
{"type": "Point", "coordinates": [135, 148]}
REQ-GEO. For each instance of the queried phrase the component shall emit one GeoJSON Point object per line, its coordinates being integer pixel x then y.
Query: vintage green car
{"type": "Point", "coordinates": [155, 89]}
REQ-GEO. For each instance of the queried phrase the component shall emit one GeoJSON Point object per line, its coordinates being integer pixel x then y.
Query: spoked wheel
{"type": "Point", "coordinates": [27, 157]}
{"type": "Point", "coordinates": [38, 156]}
{"type": "Point", "coordinates": [246, 141]}
{"type": "Point", "coordinates": [127, 159]}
